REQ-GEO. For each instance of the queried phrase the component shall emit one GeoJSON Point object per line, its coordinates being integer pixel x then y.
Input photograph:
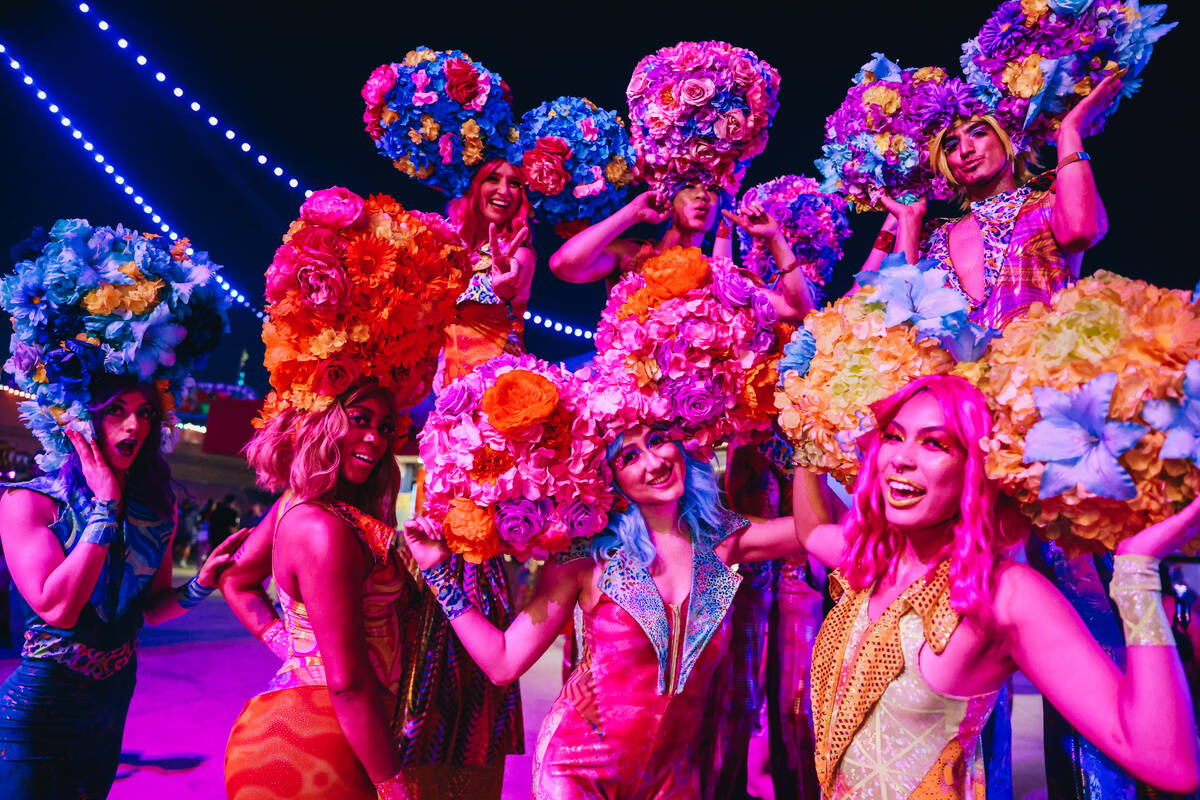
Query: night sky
{"type": "Point", "coordinates": [287, 80]}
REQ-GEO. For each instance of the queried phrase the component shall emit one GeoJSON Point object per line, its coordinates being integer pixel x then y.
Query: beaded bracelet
{"type": "Point", "coordinates": [1137, 592]}
{"type": "Point", "coordinates": [101, 525]}
{"type": "Point", "coordinates": [446, 589]}
{"type": "Point", "coordinates": [192, 592]}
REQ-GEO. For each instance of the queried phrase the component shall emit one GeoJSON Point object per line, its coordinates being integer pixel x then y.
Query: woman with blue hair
{"type": "Point", "coordinates": [651, 597]}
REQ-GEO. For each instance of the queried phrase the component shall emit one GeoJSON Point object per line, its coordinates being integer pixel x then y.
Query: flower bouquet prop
{"type": "Point", "coordinates": [699, 111]}
{"type": "Point", "coordinates": [690, 341]}
{"type": "Point", "coordinates": [88, 302]}
{"type": "Point", "coordinates": [513, 462]}
{"type": "Point", "coordinates": [359, 288]}
{"type": "Point", "coordinates": [1096, 400]}
{"type": "Point", "coordinates": [438, 116]}
{"type": "Point", "coordinates": [814, 223]}
{"type": "Point", "coordinates": [1035, 61]}
{"type": "Point", "coordinates": [577, 160]}
{"type": "Point", "coordinates": [878, 139]}
{"type": "Point", "coordinates": [903, 323]}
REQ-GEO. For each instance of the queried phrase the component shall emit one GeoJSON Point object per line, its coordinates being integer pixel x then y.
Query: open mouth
{"type": "Point", "coordinates": [903, 493]}
{"type": "Point", "coordinates": [364, 459]}
{"type": "Point", "coordinates": [663, 479]}
{"type": "Point", "coordinates": [126, 447]}
{"type": "Point", "coordinates": [500, 204]}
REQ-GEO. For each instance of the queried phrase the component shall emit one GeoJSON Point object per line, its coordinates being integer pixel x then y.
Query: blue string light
{"type": "Point", "coordinates": [189, 100]}
{"type": "Point", "coordinates": [110, 168]}
{"type": "Point", "coordinates": [558, 327]}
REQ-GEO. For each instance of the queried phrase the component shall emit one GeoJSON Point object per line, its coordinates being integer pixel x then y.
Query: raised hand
{"type": "Point", "coordinates": [1098, 101]}
{"type": "Point", "coordinates": [506, 270]}
{"type": "Point", "coordinates": [97, 472]}
{"type": "Point", "coordinates": [651, 206]}
{"type": "Point", "coordinates": [756, 221]}
{"type": "Point", "coordinates": [904, 211]}
{"type": "Point", "coordinates": [221, 559]}
{"type": "Point", "coordinates": [1163, 538]}
{"type": "Point", "coordinates": [425, 543]}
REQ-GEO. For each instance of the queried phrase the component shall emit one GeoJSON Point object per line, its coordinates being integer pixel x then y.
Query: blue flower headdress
{"type": "Point", "coordinates": [88, 302]}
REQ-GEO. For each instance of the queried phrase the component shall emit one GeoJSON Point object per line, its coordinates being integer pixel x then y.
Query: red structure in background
{"type": "Point", "coordinates": [229, 424]}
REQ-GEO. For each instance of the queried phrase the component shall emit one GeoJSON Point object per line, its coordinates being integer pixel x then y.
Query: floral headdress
{"type": "Point", "coordinates": [438, 116]}
{"type": "Point", "coordinates": [879, 137]}
{"type": "Point", "coordinates": [690, 342]}
{"type": "Point", "coordinates": [1036, 60]}
{"type": "Point", "coordinates": [88, 302]}
{"type": "Point", "coordinates": [1096, 400]}
{"type": "Point", "coordinates": [359, 288]}
{"type": "Point", "coordinates": [700, 111]}
{"type": "Point", "coordinates": [513, 463]}
{"type": "Point", "coordinates": [813, 222]}
{"type": "Point", "coordinates": [902, 324]}
{"type": "Point", "coordinates": [577, 160]}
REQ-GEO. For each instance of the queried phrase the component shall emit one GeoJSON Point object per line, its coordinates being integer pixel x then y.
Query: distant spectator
{"type": "Point", "coordinates": [223, 521]}
{"type": "Point", "coordinates": [202, 539]}
{"type": "Point", "coordinates": [185, 533]}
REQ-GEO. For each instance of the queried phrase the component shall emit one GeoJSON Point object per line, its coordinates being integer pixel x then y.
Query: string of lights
{"type": "Point", "coordinates": [109, 167]}
{"type": "Point", "coordinates": [190, 100]}
{"type": "Point", "coordinates": [123, 43]}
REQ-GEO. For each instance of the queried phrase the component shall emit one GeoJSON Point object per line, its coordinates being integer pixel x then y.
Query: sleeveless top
{"type": "Point", "coordinates": [104, 638]}
{"type": "Point", "coordinates": [882, 732]}
{"type": "Point", "coordinates": [1022, 262]}
{"type": "Point", "coordinates": [484, 324]}
{"type": "Point", "coordinates": [382, 607]}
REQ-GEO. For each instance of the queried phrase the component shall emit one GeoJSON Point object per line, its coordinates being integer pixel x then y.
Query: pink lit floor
{"type": "Point", "coordinates": [196, 672]}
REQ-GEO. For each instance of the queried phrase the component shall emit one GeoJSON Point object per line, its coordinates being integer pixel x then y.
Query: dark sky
{"type": "Point", "coordinates": [287, 80]}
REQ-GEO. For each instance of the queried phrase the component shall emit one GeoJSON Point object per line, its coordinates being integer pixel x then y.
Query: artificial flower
{"type": "Point", "coordinates": [1179, 420]}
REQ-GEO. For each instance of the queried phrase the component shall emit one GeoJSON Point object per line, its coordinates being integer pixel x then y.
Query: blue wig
{"type": "Point", "coordinates": [700, 511]}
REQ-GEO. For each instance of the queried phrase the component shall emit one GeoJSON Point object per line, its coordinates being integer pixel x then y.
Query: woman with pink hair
{"type": "Point", "coordinates": [933, 618]}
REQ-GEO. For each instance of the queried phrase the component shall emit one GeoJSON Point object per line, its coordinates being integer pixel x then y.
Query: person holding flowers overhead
{"type": "Point", "coordinates": [107, 324]}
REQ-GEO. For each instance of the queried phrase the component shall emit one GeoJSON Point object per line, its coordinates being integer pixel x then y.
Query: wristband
{"type": "Point", "coordinates": [885, 241]}
{"type": "Point", "coordinates": [449, 594]}
{"type": "Point", "coordinates": [275, 637]}
{"type": "Point", "coordinates": [1137, 592]}
{"type": "Point", "coordinates": [1079, 155]}
{"type": "Point", "coordinates": [394, 788]}
{"type": "Point", "coordinates": [723, 231]}
{"type": "Point", "coordinates": [101, 525]}
{"type": "Point", "coordinates": [192, 592]}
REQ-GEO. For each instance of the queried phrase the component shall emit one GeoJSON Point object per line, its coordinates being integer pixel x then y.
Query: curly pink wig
{"type": "Point", "coordinates": [987, 526]}
{"type": "Point", "coordinates": [299, 451]}
{"type": "Point", "coordinates": [463, 212]}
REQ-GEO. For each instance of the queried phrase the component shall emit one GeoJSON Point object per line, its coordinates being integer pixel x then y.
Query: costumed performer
{"type": "Point", "coordinates": [107, 325]}
{"type": "Point", "coordinates": [933, 618]}
{"type": "Point", "coordinates": [651, 597]}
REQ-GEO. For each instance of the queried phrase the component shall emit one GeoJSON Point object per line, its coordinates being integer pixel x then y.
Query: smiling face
{"type": "Point", "coordinates": [975, 153]}
{"type": "Point", "coordinates": [123, 425]}
{"type": "Point", "coordinates": [649, 467]}
{"type": "Point", "coordinates": [920, 466]}
{"type": "Point", "coordinates": [372, 426]}
{"type": "Point", "coordinates": [695, 207]}
{"type": "Point", "coordinates": [500, 195]}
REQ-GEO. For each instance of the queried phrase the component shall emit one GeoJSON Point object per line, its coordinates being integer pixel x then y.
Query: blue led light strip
{"type": "Point", "coordinates": [110, 168]}
{"type": "Point", "coordinates": [191, 102]}
{"type": "Point", "coordinates": [214, 122]}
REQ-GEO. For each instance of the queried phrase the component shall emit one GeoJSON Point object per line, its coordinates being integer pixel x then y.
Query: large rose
{"type": "Point", "coordinates": [320, 242]}
{"type": "Point", "coordinates": [73, 366]}
{"type": "Point", "coordinates": [543, 165]}
{"type": "Point", "coordinates": [457, 398]}
{"type": "Point", "coordinates": [676, 272]}
{"type": "Point", "coordinates": [692, 401]}
{"type": "Point", "coordinates": [379, 84]}
{"type": "Point", "coordinates": [732, 289]}
{"type": "Point", "coordinates": [322, 280]}
{"type": "Point", "coordinates": [462, 80]}
{"type": "Point", "coordinates": [470, 530]}
{"type": "Point", "coordinates": [519, 521]}
{"type": "Point", "coordinates": [335, 207]}
{"type": "Point", "coordinates": [582, 519]}
{"type": "Point", "coordinates": [518, 399]}
{"type": "Point", "coordinates": [697, 91]}
{"type": "Point", "coordinates": [731, 126]}
{"type": "Point", "coordinates": [334, 376]}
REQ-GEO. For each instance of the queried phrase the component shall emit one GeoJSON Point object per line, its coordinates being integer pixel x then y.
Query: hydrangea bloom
{"type": "Point", "coordinates": [438, 115]}
{"type": "Point", "coordinates": [814, 223]}
{"type": "Point", "coordinates": [513, 462]}
{"type": "Point", "coordinates": [578, 162]}
{"type": "Point", "coordinates": [700, 111]}
{"type": "Point", "coordinates": [1036, 61]}
{"type": "Point", "coordinates": [90, 301]}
